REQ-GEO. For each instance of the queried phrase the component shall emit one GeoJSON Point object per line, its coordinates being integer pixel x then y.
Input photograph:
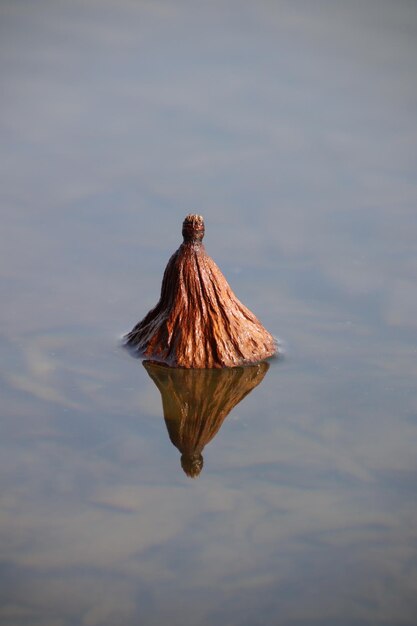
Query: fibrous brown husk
{"type": "Point", "coordinates": [198, 321]}
{"type": "Point", "coordinates": [196, 402]}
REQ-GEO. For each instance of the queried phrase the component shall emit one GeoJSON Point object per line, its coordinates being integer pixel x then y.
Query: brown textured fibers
{"type": "Point", "coordinates": [198, 321]}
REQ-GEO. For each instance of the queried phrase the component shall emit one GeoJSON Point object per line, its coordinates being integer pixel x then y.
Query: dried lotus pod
{"type": "Point", "coordinates": [198, 321]}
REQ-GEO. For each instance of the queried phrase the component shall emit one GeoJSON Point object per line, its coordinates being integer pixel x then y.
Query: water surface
{"type": "Point", "coordinates": [291, 128]}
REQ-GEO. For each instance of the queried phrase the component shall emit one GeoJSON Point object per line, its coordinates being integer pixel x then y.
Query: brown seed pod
{"type": "Point", "coordinates": [196, 402]}
{"type": "Point", "coordinates": [198, 321]}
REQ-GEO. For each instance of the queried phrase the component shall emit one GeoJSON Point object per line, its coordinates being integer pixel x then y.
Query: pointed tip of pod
{"type": "Point", "coordinates": [193, 227]}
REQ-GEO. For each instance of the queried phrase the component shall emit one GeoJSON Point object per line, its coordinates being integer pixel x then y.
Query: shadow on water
{"type": "Point", "coordinates": [197, 401]}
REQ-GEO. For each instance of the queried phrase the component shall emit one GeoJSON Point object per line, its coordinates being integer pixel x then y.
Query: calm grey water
{"type": "Point", "coordinates": [292, 127]}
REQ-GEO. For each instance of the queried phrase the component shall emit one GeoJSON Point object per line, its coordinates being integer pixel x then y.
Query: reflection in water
{"type": "Point", "coordinates": [196, 402]}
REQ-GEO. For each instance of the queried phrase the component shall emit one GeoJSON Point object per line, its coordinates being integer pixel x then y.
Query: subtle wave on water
{"type": "Point", "coordinates": [291, 128]}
